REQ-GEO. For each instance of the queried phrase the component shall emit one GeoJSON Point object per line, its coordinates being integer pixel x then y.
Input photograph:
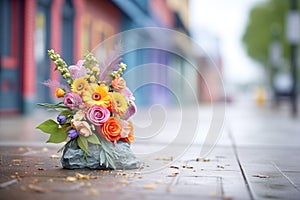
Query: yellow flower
{"type": "Point", "coordinates": [96, 95]}
{"type": "Point", "coordinates": [79, 85]}
{"type": "Point", "coordinates": [119, 103]}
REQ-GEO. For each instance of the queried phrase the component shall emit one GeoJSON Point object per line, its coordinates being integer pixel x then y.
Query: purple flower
{"type": "Point", "coordinates": [72, 100]}
{"type": "Point", "coordinates": [61, 119]}
{"type": "Point", "coordinates": [78, 70]}
{"type": "Point", "coordinates": [131, 110]}
{"type": "Point", "coordinates": [128, 94]}
{"type": "Point", "coordinates": [97, 115]}
{"type": "Point", "coordinates": [72, 134]}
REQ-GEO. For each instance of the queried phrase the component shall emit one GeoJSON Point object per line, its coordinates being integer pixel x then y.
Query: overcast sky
{"type": "Point", "coordinates": [225, 20]}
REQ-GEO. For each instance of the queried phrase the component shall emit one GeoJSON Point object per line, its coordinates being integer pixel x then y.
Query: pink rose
{"type": "Point", "coordinates": [78, 70]}
{"type": "Point", "coordinates": [97, 115]}
{"type": "Point", "coordinates": [72, 100]}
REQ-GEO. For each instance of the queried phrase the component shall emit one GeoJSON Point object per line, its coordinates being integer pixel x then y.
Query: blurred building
{"type": "Point", "coordinates": [70, 27]}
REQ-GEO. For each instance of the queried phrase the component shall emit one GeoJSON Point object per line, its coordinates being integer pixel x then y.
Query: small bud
{"type": "Point", "coordinates": [95, 69]}
{"type": "Point", "coordinates": [59, 92]}
{"type": "Point", "coordinates": [92, 79]}
{"type": "Point", "coordinates": [61, 119]}
{"type": "Point", "coordinates": [122, 65]}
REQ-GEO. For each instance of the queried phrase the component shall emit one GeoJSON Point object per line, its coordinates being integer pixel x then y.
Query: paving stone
{"type": "Point", "coordinates": [267, 179]}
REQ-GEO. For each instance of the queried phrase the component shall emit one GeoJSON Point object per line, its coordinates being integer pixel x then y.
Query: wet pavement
{"type": "Point", "coordinates": [256, 157]}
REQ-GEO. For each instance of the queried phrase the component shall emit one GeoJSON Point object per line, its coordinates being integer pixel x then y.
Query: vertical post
{"type": "Point", "coordinates": [294, 68]}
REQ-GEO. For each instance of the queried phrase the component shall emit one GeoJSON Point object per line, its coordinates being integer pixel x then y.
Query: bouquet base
{"type": "Point", "coordinates": [74, 158]}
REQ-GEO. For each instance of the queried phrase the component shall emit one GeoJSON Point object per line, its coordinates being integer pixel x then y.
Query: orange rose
{"type": "Point", "coordinates": [111, 129]}
{"type": "Point", "coordinates": [59, 92]}
{"type": "Point", "coordinates": [130, 137]}
{"type": "Point", "coordinates": [118, 83]}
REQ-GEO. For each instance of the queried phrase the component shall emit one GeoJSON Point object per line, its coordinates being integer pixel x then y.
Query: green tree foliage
{"type": "Point", "coordinates": [266, 18]}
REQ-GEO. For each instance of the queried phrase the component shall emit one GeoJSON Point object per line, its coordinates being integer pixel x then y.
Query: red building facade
{"type": "Point", "coordinates": [34, 26]}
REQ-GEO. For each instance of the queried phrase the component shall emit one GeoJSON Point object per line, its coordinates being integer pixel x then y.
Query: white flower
{"type": "Point", "coordinates": [82, 127]}
{"type": "Point", "coordinates": [126, 129]}
{"type": "Point", "coordinates": [78, 116]}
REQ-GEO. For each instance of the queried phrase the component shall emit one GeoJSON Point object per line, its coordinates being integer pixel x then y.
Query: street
{"type": "Point", "coordinates": [256, 157]}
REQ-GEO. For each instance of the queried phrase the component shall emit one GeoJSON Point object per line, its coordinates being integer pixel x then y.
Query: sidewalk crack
{"type": "Point", "coordinates": [284, 175]}
{"type": "Point", "coordinates": [239, 163]}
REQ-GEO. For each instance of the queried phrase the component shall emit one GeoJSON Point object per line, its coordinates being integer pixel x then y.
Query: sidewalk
{"type": "Point", "coordinates": [257, 157]}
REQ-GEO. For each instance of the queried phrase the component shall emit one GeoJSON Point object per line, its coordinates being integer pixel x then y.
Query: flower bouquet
{"type": "Point", "coordinates": [93, 116]}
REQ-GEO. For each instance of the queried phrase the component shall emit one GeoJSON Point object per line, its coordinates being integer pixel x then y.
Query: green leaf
{"type": "Point", "coordinates": [83, 143]}
{"type": "Point", "coordinates": [59, 106]}
{"type": "Point", "coordinates": [102, 157]}
{"type": "Point", "coordinates": [49, 126]}
{"type": "Point", "coordinates": [109, 153]}
{"type": "Point", "coordinates": [93, 139]}
{"type": "Point", "coordinates": [66, 113]}
{"type": "Point", "coordinates": [58, 136]}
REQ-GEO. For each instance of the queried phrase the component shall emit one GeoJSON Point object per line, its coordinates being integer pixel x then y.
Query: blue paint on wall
{"type": "Point", "coordinates": [42, 61]}
{"type": "Point", "coordinates": [68, 32]}
{"type": "Point", "coordinates": [5, 13]}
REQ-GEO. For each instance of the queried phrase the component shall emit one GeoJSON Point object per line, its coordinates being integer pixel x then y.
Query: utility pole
{"type": "Point", "coordinates": [293, 28]}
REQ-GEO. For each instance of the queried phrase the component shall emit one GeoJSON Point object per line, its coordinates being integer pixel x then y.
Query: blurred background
{"type": "Point", "coordinates": [253, 44]}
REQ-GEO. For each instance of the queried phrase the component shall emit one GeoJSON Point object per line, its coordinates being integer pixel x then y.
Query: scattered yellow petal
{"type": "Point", "coordinates": [202, 159]}
{"type": "Point", "coordinates": [220, 166]}
{"type": "Point", "coordinates": [54, 156]}
{"type": "Point", "coordinates": [38, 189]}
{"type": "Point", "coordinates": [125, 175]}
{"type": "Point", "coordinates": [261, 176]}
{"type": "Point", "coordinates": [16, 161]}
{"type": "Point", "coordinates": [124, 182]}
{"type": "Point", "coordinates": [187, 167]}
{"type": "Point", "coordinates": [70, 179]}
{"type": "Point", "coordinates": [35, 180]}
{"type": "Point", "coordinates": [82, 176]}
{"type": "Point", "coordinates": [93, 192]}
{"type": "Point", "coordinates": [172, 174]}
{"type": "Point", "coordinates": [150, 186]}
{"type": "Point", "coordinates": [158, 181]}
